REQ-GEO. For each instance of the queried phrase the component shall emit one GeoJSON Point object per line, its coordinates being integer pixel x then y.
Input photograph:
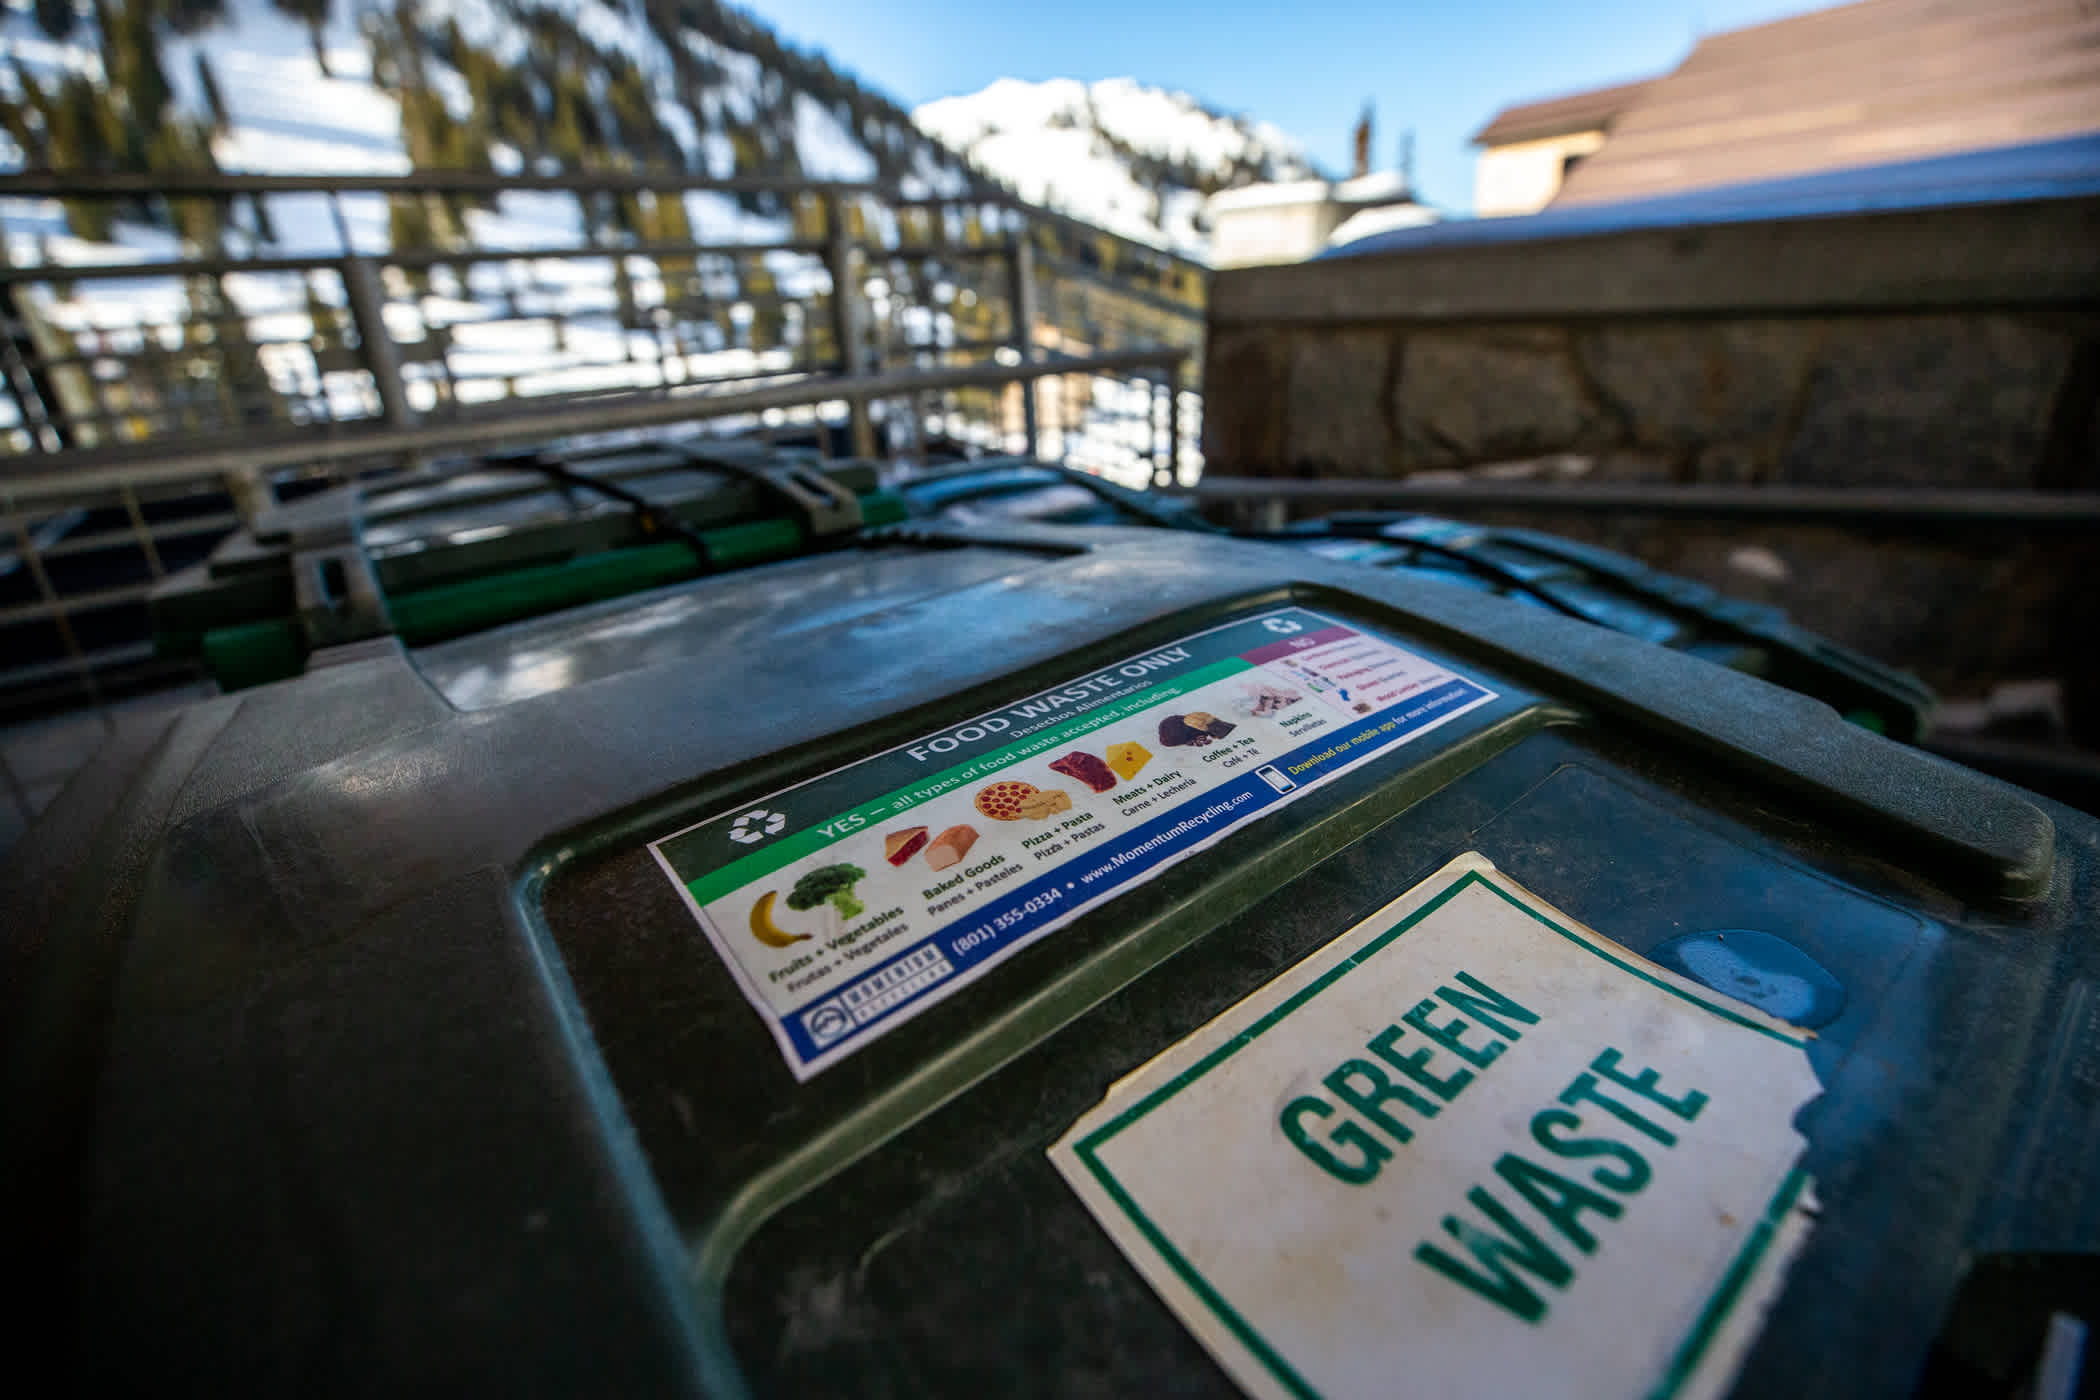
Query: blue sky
{"type": "Point", "coordinates": [1442, 67]}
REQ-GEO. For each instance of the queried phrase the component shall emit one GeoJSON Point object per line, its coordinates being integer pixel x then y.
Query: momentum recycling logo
{"type": "Point", "coordinates": [756, 825]}
{"type": "Point", "coordinates": [827, 1023]}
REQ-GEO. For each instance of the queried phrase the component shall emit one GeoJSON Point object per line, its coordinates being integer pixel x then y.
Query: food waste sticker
{"type": "Point", "coordinates": [847, 904]}
{"type": "Point", "coordinates": [1469, 1148]}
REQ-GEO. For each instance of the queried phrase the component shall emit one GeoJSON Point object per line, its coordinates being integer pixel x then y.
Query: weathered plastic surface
{"type": "Point", "coordinates": [1611, 590]}
{"type": "Point", "coordinates": [356, 1044]}
{"type": "Point", "coordinates": [1615, 591]}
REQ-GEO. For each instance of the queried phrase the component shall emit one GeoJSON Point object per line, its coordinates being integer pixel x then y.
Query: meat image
{"type": "Point", "coordinates": [951, 846]}
{"type": "Point", "coordinates": [1088, 769]}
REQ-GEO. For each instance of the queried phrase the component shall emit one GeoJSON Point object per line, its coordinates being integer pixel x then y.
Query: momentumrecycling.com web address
{"type": "Point", "coordinates": [1172, 833]}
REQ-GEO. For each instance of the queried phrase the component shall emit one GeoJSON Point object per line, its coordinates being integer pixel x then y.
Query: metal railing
{"type": "Point", "coordinates": [537, 287]}
{"type": "Point", "coordinates": [1913, 507]}
{"type": "Point", "coordinates": [158, 391]}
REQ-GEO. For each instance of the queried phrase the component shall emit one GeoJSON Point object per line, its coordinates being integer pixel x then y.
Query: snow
{"type": "Point", "coordinates": [452, 89]}
{"type": "Point", "coordinates": [720, 153]}
{"type": "Point", "coordinates": [529, 219]}
{"type": "Point", "coordinates": [36, 232]}
{"type": "Point", "coordinates": [1380, 219]}
{"type": "Point", "coordinates": [611, 28]}
{"type": "Point", "coordinates": [1378, 187]}
{"type": "Point", "coordinates": [718, 218]}
{"type": "Point", "coordinates": [932, 177]}
{"type": "Point", "coordinates": [286, 117]}
{"type": "Point", "coordinates": [740, 73]}
{"type": "Point", "coordinates": [827, 149]}
{"type": "Point", "coordinates": [22, 42]}
{"type": "Point", "coordinates": [1266, 196]}
{"type": "Point", "coordinates": [484, 26]}
{"type": "Point", "coordinates": [1170, 124]}
{"type": "Point", "coordinates": [256, 150]}
{"type": "Point", "coordinates": [1009, 103]}
{"type": "Point", "coordinates": [1063, 169]}
{"type": "Point", "coordinates": [797, 275]}
{"type": "Point", "coordinates": [679, 122]}
{"type": "Point", "coordinates": [1052, 142]}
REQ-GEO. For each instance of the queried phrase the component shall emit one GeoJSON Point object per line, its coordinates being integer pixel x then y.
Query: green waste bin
{"type": "Point", "coordinates": [1045, 959]}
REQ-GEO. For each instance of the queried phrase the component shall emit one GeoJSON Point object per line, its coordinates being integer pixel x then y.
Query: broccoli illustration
{"type": "Point", "coordinates": [829, 884]}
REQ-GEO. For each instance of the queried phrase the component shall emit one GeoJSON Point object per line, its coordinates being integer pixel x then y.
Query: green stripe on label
{"type": "Point", "coordinates": [811, 839]}
{"type": "Point", "coordinates": [1729, 1291]}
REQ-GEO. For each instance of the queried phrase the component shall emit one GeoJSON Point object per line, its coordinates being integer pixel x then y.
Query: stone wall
{"type": "Point", "coordinates": [1990, 399]}
{"type": "Point", "coordinates": [1955, 348]}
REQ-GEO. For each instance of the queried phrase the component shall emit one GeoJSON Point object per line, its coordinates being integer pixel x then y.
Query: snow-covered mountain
{"type": "Point", "coordinates": [1137, 160]}
{"type": "Point", "coordinates": [369, 87]}
{"type": "Point", "coordinates": [319, 86]}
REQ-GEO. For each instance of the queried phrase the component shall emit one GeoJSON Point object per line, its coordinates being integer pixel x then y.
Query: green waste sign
{"type": "Point", "coordinates": [1469, 1145]}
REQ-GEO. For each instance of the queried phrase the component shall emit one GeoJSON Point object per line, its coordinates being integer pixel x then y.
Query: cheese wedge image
{"type": "Point", "coordinates": [1127, 758]}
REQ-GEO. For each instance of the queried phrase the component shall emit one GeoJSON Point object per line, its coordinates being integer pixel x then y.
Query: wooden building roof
{"type": "Point", "coordinates": [1859, 85]}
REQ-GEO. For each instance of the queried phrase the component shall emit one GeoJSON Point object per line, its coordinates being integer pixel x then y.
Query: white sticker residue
{"type": "Point", "coordinates": [1468, 1148]}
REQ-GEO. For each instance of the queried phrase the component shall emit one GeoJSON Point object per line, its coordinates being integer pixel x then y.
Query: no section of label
{"type": "Point", "coordinates": [1470, 1148]}
{"type": "Point", "coordinates": [851, 902]}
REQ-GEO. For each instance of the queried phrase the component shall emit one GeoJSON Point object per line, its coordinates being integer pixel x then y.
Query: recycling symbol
{"type": "Point", "coordinates": [756, 825]}
{"type": "Point", "coordinates": [1282, 624]}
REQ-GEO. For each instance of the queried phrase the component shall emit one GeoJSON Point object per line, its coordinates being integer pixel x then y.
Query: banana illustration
{"type": "Point", "coordinates": [765, 930]}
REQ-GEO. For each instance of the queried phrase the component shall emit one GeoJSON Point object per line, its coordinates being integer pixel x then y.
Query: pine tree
{"type": "Point", "coordinates": [29, 121]}
{"type": "Point", "coordinates": [808, 215]}
{"type": "Point", "coordinates": [265, 228]}
{"type": "Point", "coordinates": [484, 78]}
{"type": "Point", "coordinates": [179, 144]}
{"type": "Point", "coordinates": [767, 320]}
{"type": "Point", "coordinates": [314, 15]}
{"type": "Point", "coordinates": [77, 137]}
{"type": "Point", "coordinates": [630, 315]}
{"type": "Point", "coordinates": [409, 228]}
{"type": "Point", "coordinates": [637, 128]}
{"type": "Point", "coordinates": [748, 158]}
{"type": "Point", "coordinates": [568, 139]}
{"type": "Point", "coordinates": [189, 16]}
{"type": "Point", "coordinates": [449, 44]}
{"type": "Point", "coordinates": [326, 320]}
{"type": "Point", "coordinates": [214, 103]}
{"type": "Point", "coordinates": [519, 118]}
{"type": "Point", "coordinates": [137, 81]}
{"type": "Point", "coordinates": [215, 327]}
{"type": "Point", "coordinates": [56, 17]}
{"type": "Point", "coordinates": [666, 221]}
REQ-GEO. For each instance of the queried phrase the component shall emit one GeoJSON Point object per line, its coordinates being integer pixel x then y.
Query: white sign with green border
{"type": "Point", "coordinates": [1470, 1148]}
